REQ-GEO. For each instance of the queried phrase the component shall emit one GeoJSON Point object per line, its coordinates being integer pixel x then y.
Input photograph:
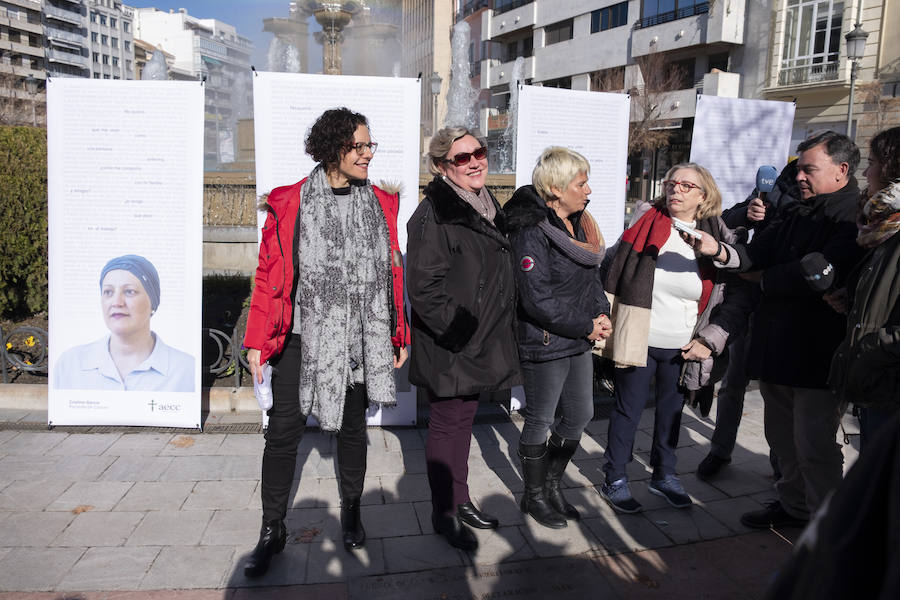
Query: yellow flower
{"type": "Point", "coordinates": [27, 362]}
{"type": "Point", "coordinates": [29, 341]}
{"type": "Point", "coordinates": [8, 345]}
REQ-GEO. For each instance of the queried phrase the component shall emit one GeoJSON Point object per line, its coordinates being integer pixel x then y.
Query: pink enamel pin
{"type": "Point", "coordinates": [527, 263]}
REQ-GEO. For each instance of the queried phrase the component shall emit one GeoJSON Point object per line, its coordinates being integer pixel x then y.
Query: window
{"type": "Point", "coordinates": [94, 36]}
{"type": "Point", "coordinates": [654, 12]}
{"type": "Point", "coordinates": [94, 17]}
{"type": "Point", "coordinates": [127, 64]}
{"type": "Point", "coordinates": [96, 75]}
{"type": "Point", "coordinates": [126, 26]}
{"type": "Point", "coordinates": [563, 82]}
{"type": "Point", "coordinates": [812, 39]}
{"type": "Point", "coordinates": [114, 42]}
{"type": "Point", "coordinates": [96, 56]}
{"type": "Point", "coordinates": [105, 59]}
{"type": "Point", "coordinates": [113, 21]}
{"type": "Point", "coordinates": [115, 60]}
{"type": "Point", "coordinates": [127, 45]}
{"type": "Point", "coordinates": [103, 19]}
{"type": "Point", "coordinates": [104, 39]}
{"type": "Point", "coordinates": [609, 17]}
{"type": "Point", "coordinates": [502, 6]}
{"type": "Point", "coordinates": [558, 32]}
{"type": "Point", "coordinates": [106, 77]}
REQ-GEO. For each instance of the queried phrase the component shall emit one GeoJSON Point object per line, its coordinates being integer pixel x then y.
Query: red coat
{"type": "Point", "coordinates": [271, 307]}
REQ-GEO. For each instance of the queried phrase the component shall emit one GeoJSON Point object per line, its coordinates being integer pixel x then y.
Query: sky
{"type": "Point", "coordinates": [245, 15]}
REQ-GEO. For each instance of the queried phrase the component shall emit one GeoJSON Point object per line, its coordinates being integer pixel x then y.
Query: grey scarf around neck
{"type": "Point", "coordinates": [574, 251]}
{"type": "Point", "coordinates": [344, 296]}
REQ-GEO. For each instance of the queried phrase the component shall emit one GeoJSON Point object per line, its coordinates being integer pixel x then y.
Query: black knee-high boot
{"type": "Point", "coordinates": [534, 471]}
{"type": "Point", "coordinates": [560, 452]}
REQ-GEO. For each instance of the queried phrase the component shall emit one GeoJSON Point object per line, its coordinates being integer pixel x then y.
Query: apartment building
{"type": "Point", "coordinates": [214, 51]}
{"type": "Point", "coordinates": [111, 31]}
{"type": "Point", "coordinates": [21, 62]}
{"type": "Point", "coordinates": [64, 34]}
{"type": "Point", "coordinates": [716, 48]}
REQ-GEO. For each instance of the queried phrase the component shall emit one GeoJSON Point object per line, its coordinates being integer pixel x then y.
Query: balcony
{"type": "Point", "coordinates": [54, 33]}
{"type": "Point", "coordinates": [502, 6]}
{"type": "Point", "coordinates": [807, 74]}
{"type": "Point", "coordinates": [60, 14]}
{"type": "Point", "coordinates": [67, 58]}
{"type": "Point", "coordinates": [494, 73]}
{"type": "Point", "coordinates": [674, 15]}
{"type": "Point", "coordinates": [689, 27]}
{"type": "Point", "coordinates": [519, 17]}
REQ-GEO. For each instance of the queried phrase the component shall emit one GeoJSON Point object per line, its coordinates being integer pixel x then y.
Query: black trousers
{"type": "Point", "coordinates": [286, 427]}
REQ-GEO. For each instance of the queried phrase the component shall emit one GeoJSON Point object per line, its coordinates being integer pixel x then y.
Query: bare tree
{"type": "Point", "coordinates": [880, 111]}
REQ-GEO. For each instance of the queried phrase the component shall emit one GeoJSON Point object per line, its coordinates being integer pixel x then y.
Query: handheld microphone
{"type": "Point", "coordinates": [765, 180]}
{"type": "Point", "coordinates": [818, 272]}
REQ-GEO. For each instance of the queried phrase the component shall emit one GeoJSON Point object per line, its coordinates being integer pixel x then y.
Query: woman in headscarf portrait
{"type": "Point", "coordinates": [131, 356]}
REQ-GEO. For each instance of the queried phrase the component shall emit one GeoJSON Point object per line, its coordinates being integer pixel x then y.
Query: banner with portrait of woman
{"type": "Point", "coordinates": [125, 187]}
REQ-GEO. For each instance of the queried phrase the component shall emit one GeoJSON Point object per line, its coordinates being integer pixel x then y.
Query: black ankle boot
{"type": "Point", "coordinates": [534, 502]}
{"type": "Point", "coordinates": [469, 514]}
{"type": "Point", "coordinates": [272, 537]}
{"type": "Point", "coordinates": [457, 534]}
{"type": "Point", "coordinates": [351, 524]}
{"type": "Point", "coordinates": [560, 452]}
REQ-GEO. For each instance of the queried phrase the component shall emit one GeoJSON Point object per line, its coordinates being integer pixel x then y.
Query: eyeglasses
{"type": "Point", "coordinates": [682, 186]}
{"type": "Point", "coordinates": [463, 158]}
{"type": "Point", "coordinates": [360, 147]}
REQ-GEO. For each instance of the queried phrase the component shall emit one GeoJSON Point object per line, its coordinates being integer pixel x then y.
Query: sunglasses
{"type": "Point", "coordinates": [463, 158]}
{"type": "Point", "coordinates": [682, 186]}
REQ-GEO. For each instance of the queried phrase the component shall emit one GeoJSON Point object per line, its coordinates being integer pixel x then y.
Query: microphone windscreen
{"type": "Point", "coordinates": [818, 272]}
{"type": "Point", "coordinates": [765, 179]}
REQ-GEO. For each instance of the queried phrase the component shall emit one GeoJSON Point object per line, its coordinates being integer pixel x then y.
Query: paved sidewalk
{"type": "Point", "coordinates": [134, 512]}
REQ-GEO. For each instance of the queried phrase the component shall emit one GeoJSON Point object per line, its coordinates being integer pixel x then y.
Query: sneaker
{"type": "Point", "coordinates": [670, 488]}
{"type": "Point", "coordinates": [619, 496]}
{"type": "Point", "coordinates": [773, 515]}
{"type": "Point", "coordinates": [710, 466]}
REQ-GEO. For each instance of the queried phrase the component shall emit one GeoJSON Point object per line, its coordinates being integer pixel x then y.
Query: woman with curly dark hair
{"type": "Point", "coordinates": [327, 315]}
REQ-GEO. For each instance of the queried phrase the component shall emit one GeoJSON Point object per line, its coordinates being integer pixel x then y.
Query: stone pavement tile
{"type": "Point", "coordinates": [85, 444]}
{"type": "Point", "coordinates": [220, 494]}
{"type": "Point", "coordinates": [402, 440]}
{"type": "Point", "coordinates": [176, 567]}
{"type": "Point", "coordinates": [729, 511]}
{"type": "Point", "coordinates": [4, 552]}
{"type": "Point", "coordinates": [30, 443]}
{"type": "Point", "coordinates": [242, 467]}
{"type": "Point", "coordinates": [33, 528]}
{"type": "Point", "coordinates": [27, 467]}
{"type": "Point", "coordinates": [417, 552]}
{"type": "Point", "coordinates": [330, 561]}
{"type": "Point", "coordinates": [251, 444]}
{"type": "Point", "coordinates": [110, 569]}
{"type": "Point", "coordinates": [155, 495]}
{"type": "Point", "coordinates": [491, 481]}
{"type": "Point", "coordinates": [643, 441]}
{"type": "Point", "coordinates": [379, 463]}
{"type": "Point", "coordinates": [140, 444]}
{"type": "Point", "coordinates": [584, 471]}
{"type": "Point", "coordinates": [689, 458]}
{"type": "Point", "coordinates": [409, 487]}
{"type": "Point", "coordinates": [686, 525]}
{"type": "Point", "coordinates": [35, 569]}
{"type": "Point", "coordinates": [198, 444]}
{"type": "Point", "coordinates": [390, 520]}
{"type": "Point", "coordinates": [648, 417]}
{"type": "Point", "coordinates": [287, 568]}
{"type": "Point", "coordinates": [171, 528]}
{"type": "Point", "coordinates": [306, 525]}
{"type": "Point", "coordinates": [323, 444]}
{"type": "Point", "coordinates": [31, 494]}
{"type": "Point", "coordinates": [6, 435]}
{"type": "Point", "coordinates": [589, 448]}
{"type": "Point", "coordinates": [496, 456]}
{"type": "Point", "coordinates": [195, 468]}
{"type": "Point", "coordinates": [99, 529]}
{"type": "Point", "coordinates": [137, 468]}
{"type": "Point", "coordinates": [739, 480]}
{"type": "Point", "coordinates": [414, 461]}
{"type": "Point", "coordinates": [81, 468]}
{"type": "Point", "coordinates": [598, 430]}
{"type": "Point", "coordinates": [504, 544]}
{"type": "Point", "coordinates": [510, 479]}
{"type": "Point", "coordinates": [311, 492]}
{"type": "Point", "coordinates": [101, 495]}
{"type": "Point", "coordinates": [700, 491]}
{"type": "Point", "coordinates": [546, 542]}
{"type": "Point", "coordinates": [625, 533]}
{"type": "Point", "coordinates": [233, 528]}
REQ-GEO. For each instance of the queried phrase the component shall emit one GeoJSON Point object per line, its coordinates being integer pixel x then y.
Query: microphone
{"type": "Point", "coordinates": [765, 180]}
{"type": "Point", "coordinates": [818, 272]}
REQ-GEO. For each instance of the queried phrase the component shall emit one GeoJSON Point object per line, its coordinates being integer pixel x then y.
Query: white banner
{"type": "Point", "coordinates": [733, 137]}
{"type": "Point", "coordinates": [594, 124]}
{"type": "Point", "coordinates": [125, 187]}
{"type": "Point", "coordinates": [285, 106]}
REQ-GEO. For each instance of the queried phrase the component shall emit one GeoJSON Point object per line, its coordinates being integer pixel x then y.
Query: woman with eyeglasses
{"type": "Point", "coordinates": [462, 294]}
{"type": "Point", "coordinates": [327, 315]}
{"type": "Point", "coordinates": [672, 314]}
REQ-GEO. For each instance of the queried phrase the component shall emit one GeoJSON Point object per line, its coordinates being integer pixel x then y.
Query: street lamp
{"type": "Point", "coordinates": [856, 47]}
{"type": "Point", "coordinates": [31, 86]}
{"type": "Point", "coordinates": [436, 82]}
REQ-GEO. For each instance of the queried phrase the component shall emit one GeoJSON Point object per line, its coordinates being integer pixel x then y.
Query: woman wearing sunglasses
{"type": "Point", "coordinates": [672, 314]}
{"type": "Point", "coordinates": [327, 314]}
{"type": "Point", "coordinates": [462, 294]}
{"type": "Point", "coordinates": [562, 310]}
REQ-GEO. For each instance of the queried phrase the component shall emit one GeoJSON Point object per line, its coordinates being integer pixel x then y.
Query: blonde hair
{"type": "Point", "coordinates": [711, 205]}
{"type": "Point", "coordinates": [556, 168]}
{"type": "Point", "coordinates": [442, 141]}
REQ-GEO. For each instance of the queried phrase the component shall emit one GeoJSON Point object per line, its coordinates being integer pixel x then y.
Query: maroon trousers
{"type": "Point", "coordinates": [447, 451]}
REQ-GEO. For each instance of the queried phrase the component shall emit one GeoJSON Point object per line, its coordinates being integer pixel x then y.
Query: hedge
{"type": "Point", "coordinates": [23, 221]}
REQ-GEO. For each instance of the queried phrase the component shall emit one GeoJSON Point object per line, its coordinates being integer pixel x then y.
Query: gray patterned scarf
{"type": "Point", "coordinates": [344, 288]}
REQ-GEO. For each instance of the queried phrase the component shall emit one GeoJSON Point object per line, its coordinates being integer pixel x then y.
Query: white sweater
{"type": "Point", "coordinates": [676, 295]}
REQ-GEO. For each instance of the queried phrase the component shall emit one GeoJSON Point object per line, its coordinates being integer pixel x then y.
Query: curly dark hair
{"type": "Point", "coordinates": [886, 148]}
{"type": "Point", "coordinates": [330, 134]}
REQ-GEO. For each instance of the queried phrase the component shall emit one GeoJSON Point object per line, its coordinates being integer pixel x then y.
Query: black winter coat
{"type": "Point", "coordinates": [558, 297]}
{"type": "Point", "coordinates": [461, 289]}
{"type": "Point", "coordinates": [795, 332]}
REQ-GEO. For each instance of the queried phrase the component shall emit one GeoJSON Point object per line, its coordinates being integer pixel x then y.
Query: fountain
{"type": "Point", "coordinates": [333, 17]}
{"type": "Point", "coordinates": [507, 145]}
{"type": "Point", "coordinates": [287, 51]}
{"type": "Point", "coordinates": [462, 96]}
{"type": "Point", "coordinates": [155, 69]}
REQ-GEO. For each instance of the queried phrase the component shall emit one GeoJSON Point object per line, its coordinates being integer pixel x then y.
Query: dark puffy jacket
{"type": "Point", "coordinates": [558, 297]}
{"type": "Point", "coordinates": [795, 332]}
{"type": "Point", "coordinates": [462, 293]}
